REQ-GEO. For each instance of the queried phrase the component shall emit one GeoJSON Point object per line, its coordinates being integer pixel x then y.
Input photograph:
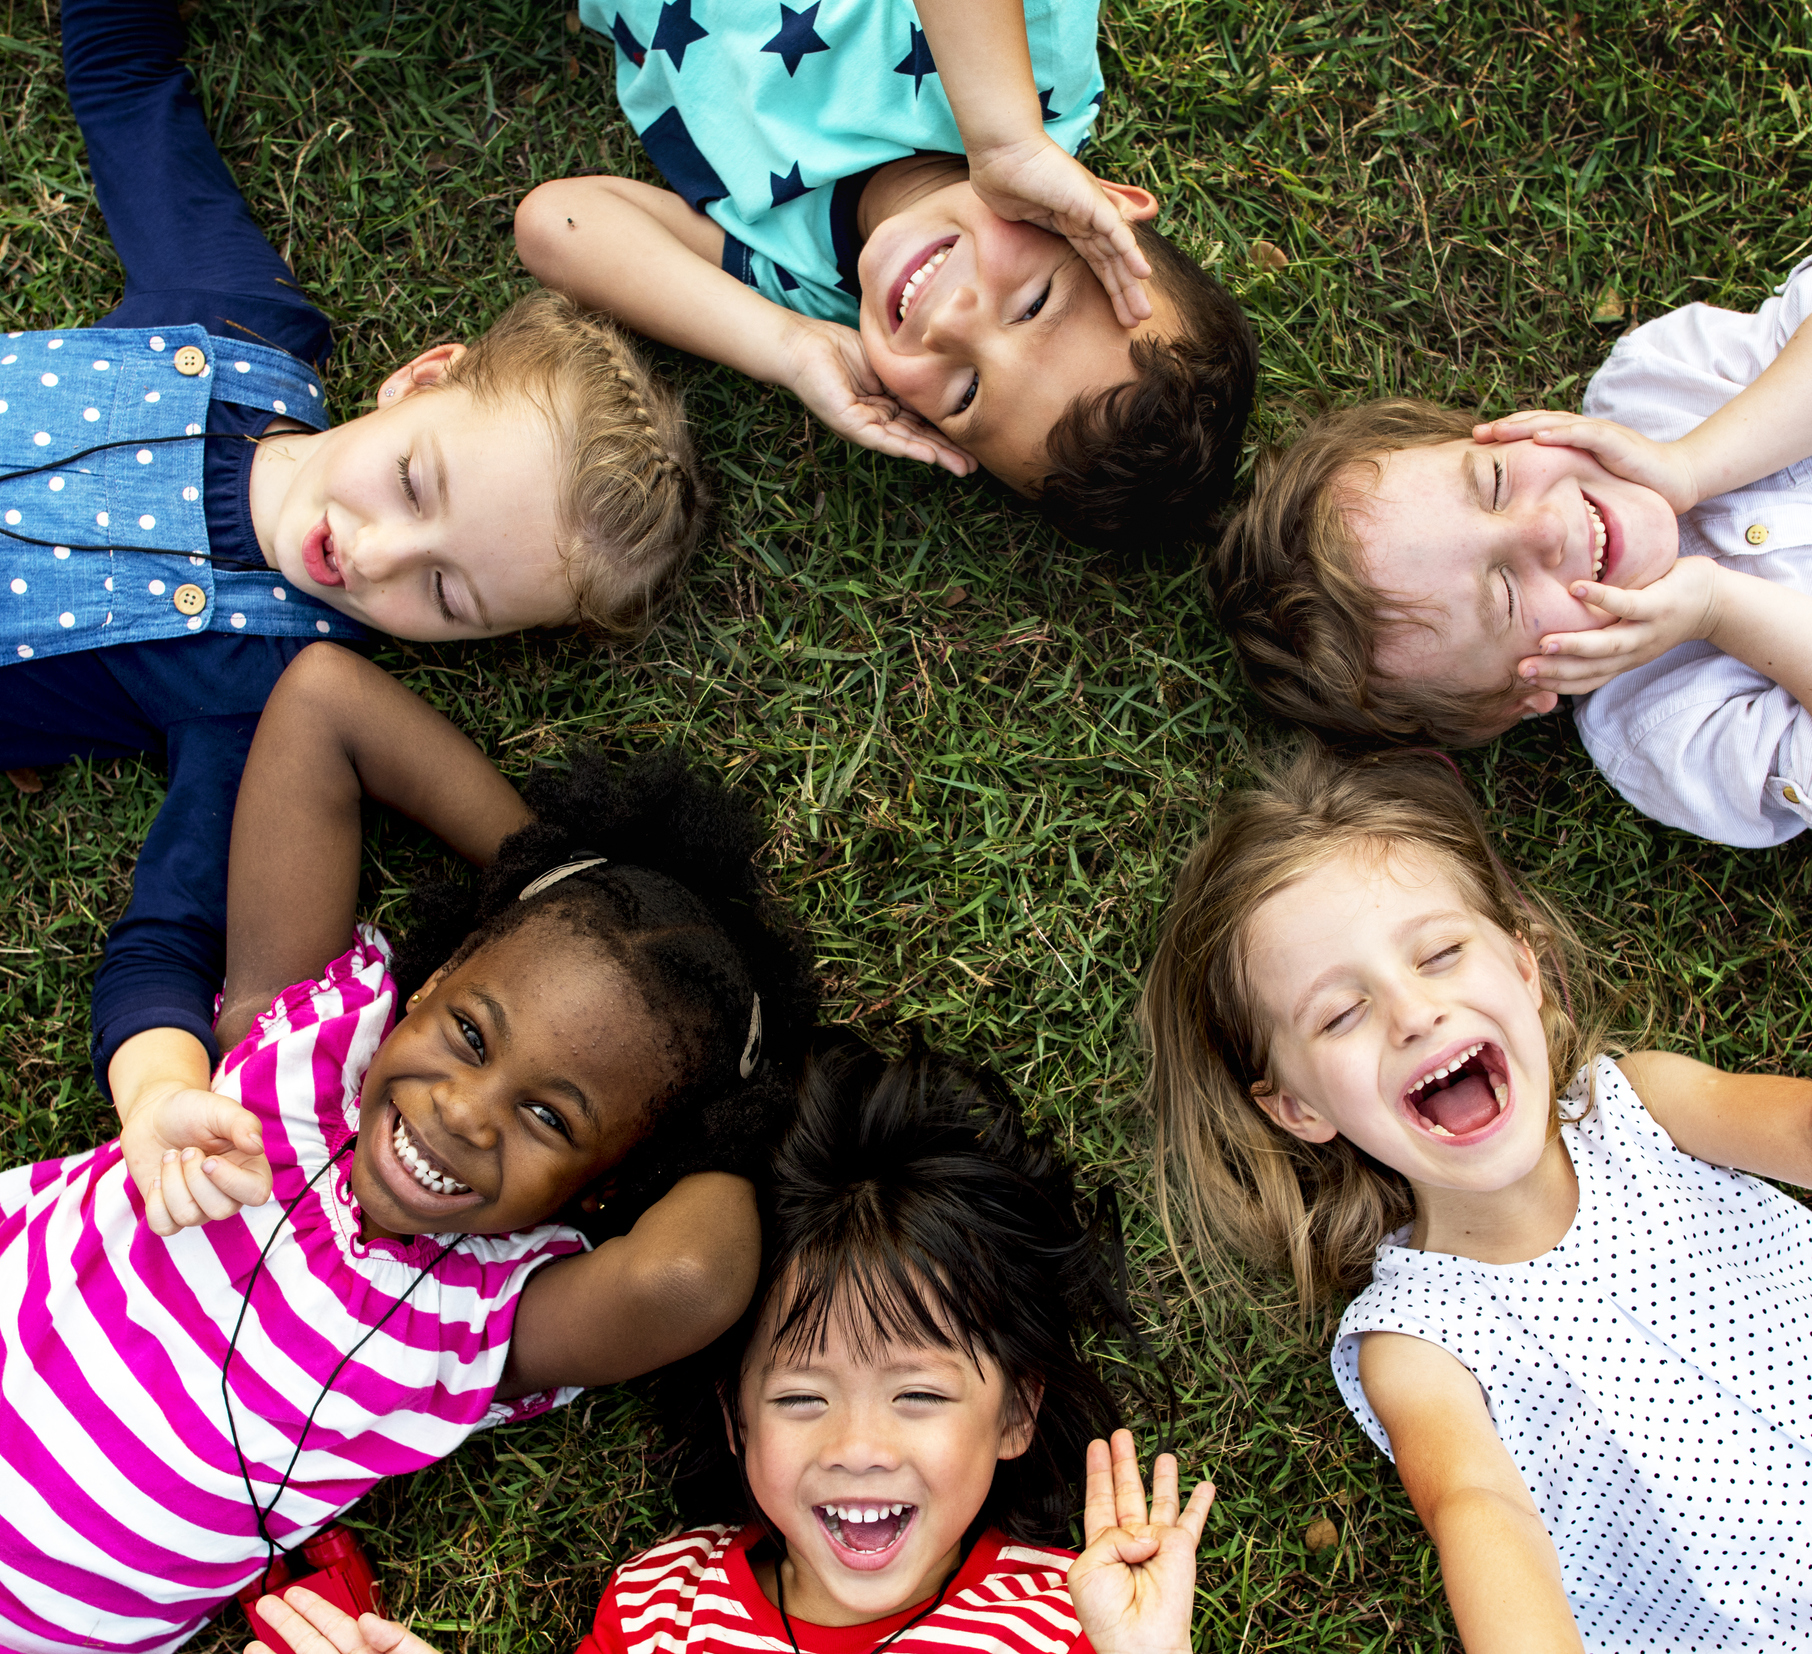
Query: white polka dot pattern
{"type": "Point", "coordinates": [1651, 1378]}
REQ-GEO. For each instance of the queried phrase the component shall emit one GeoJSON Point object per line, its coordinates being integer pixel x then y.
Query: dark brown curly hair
{"type": "Point", "coordinates": [1150, 462]}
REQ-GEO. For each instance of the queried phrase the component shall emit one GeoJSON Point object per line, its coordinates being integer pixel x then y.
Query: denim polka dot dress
{"type": "Point", "coordinates": [1651, 1379]}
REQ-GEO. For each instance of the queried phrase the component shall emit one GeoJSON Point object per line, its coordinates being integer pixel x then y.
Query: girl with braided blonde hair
{"type": "Point", "coordinates": [630, 501]}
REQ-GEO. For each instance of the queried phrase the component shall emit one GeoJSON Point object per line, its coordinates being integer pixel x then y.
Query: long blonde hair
{"type": "Point", "coordinates": [1237, 1181]}
{"type": "Point", "coordinates": [632, 503]}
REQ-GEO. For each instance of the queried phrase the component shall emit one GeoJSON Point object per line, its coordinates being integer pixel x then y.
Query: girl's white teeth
{"type": "Point", "coordinates": [863, 1513]}
{"type": "Point", "coordinates": [1598, 536]}
{"type": "Point", "coordinates": [419, 1169]}
{"type": "Point", "coordinates": [919, 277]}
{"type": "Point", "coordinates": [1441, 1073]}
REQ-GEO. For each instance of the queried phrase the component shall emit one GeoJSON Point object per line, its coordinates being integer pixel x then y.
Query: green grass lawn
{"type": "Point", "coordinates": [982, 751]}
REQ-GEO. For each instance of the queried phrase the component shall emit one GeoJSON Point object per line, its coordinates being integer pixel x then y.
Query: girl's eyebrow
{"type": "Point", "coordinates": [442, 494]}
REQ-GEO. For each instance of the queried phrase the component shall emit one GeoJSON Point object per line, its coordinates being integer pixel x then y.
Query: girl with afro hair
{"type": "Point", "coordinates": [424, 1192]}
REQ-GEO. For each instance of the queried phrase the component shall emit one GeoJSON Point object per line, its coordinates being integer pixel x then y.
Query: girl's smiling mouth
{"type": "Point", "coordinates": [866, 1535]}
{"type": "Point", "coordinates": [414, 1176]}
{"type": "Point", "coordinates": [318, 556]}
{"type": "Point", "coordinates": [1462, 1094]}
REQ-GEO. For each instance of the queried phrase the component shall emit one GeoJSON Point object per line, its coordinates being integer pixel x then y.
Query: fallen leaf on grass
{"type": "Point", "coordinates": [1268, 256]}
{"type": "Point", "coordinates": [1322, 1533]}
{"type": "Point", "coordinates": [1609, 308]}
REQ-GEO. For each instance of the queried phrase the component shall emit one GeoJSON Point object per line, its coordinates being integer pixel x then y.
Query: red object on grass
{"type": "Point", "coordinates": [343, 1576]}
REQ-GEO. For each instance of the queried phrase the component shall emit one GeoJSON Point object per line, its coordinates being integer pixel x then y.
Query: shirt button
{"type": "Point", "coordinates": [190, 360]}
{"type": "Point", "coordinates": [190, 600]}
{"type": "Point", "coordinates": [1790, 795]}
{"type": "Point", "coordinates": [1755, 534]}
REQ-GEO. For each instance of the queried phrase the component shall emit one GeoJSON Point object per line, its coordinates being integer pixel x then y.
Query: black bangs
{"type": "Point", "coordinates": [910, 1206]}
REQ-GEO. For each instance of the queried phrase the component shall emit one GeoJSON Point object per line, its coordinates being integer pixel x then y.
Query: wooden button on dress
{"type": "Point", "coordinates": [190, 360]}
{"type": "Point", "coordinates": [1755, 534]}
{"type": "Point", "coordinates": [190, 600]}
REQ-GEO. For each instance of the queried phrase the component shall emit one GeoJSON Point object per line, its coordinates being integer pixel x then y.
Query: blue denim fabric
{"type": "Point", "coordinates": [127, 526]}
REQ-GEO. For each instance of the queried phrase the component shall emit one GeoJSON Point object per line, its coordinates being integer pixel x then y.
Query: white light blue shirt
{"type": "Point", "coordinates": [1697, 739]}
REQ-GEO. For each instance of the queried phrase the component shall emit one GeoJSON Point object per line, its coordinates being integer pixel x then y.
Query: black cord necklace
{"type": "Point", "coordinates": [262, 1512]}
{"type": "Point", "coordinates": [885, 1642]}
{"type": "Point", "coordinates": [231, 564]}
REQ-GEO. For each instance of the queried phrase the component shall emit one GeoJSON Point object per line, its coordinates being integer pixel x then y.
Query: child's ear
{"type": "Point", "coordinates": [425, 370]}
{"type": "Point", "coordinates": [1135, 203]}
{"type": "Point", "coordinates": [1537, 703]}
{"type": "Point", "coordinates": [425, 989]}
{"type": "Point", "coordinates": [729, 1426]}
{"type": "Point", "coordinates": [1022, 1423]}
{"type": "Point", "coordinates": [1293, 1115]}
{"type": "Point", "coordinates": [1528, 967]}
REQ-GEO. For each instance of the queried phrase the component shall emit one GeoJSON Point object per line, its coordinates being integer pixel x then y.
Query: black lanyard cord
{"type": "Point", "coordinates": [17, 473]}
{"type": "Point", "coordinates": [262, 1512]}
{"type": "Point", "coordinates": [931, 1607]}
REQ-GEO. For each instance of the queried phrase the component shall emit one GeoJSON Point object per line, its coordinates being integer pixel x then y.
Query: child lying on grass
{"type": "Point", "coordinates": [888, 220]}
{"type": "Point", "coordinates": [613, 1024]}
{"type": "Point", "coordinates": [178, 519]}
{"type": "Point", "coordinates": [1404, 572]}
{"type": "Point", "coordinates": [886, 1447]}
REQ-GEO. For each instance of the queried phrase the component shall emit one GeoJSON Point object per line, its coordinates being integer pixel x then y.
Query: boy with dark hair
{"type": "Point", "coordinates": [879, 207]}
{"type": "Point", "coordinates": [1403, 572]}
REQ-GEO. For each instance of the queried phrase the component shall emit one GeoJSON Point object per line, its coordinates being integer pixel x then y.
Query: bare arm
{"type": "Point", "coordinates": [1499, 1566]}
{"type": "Point", "coordinates": [336, 729]}
{"type": "Point", "coordinates": [680, 1277]}
{"type": "Point", "coordinates": [647, 258]}
{"type": "Point", "coordinates": [1759, 1123]}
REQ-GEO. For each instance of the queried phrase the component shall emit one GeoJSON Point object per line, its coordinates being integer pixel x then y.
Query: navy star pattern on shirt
{"type": "Point", "coordinates": [682, 163]}
{"type": "Point", "coordinates": [676, 31]}
{"type": "Point", "coordinates": [916, 62]}
{"type": "Point", "coordinates": [786, 186]}
{"type": "Point", "coordinates": [627, 43]}
{"type": "Point", "coordinates": [1044, 103]}
{"type": "Point", "coordinates": [797, 37]}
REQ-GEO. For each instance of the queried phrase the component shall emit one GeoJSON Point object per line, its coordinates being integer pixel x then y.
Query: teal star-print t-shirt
{"type": "Point", "coordinates": [770, 117]}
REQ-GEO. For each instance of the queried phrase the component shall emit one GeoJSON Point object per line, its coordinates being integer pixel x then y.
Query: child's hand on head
{"type": "Point", "coordinates": [1665, 467]}
{"type": "Point", "coordinates": [312, 1625]}
{"type": "Point", "coordinates": [1680, 606]}
{"type": "Point", "coordinates": [1134, 1587]}
{"type": "Point", "coordinates": [1039, 182]}
{"type": "Point", "coordinates": [830, 373]}
{"type": "Point", "coordinates": [196, 1156]}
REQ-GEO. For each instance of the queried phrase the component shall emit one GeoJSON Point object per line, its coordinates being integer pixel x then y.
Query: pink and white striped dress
{"type": "Point", "coordinates": [124, 1522]}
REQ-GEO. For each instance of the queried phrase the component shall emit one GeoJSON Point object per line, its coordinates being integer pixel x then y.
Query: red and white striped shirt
{"type": "Point", "coordinates": [124, 1521]}
{"type": "Point", "coordinates": [697, 1594]}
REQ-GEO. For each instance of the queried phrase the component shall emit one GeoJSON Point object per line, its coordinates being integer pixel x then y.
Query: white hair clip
{"type": "Point", "coordinates": [751, 1050]}
{"type": "Point", "coordinates": [554, 875]}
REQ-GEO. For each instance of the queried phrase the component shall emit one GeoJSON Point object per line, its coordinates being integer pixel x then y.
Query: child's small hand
{"type": "Point", "coordinates": [1134, 1587]}
{"type": "Point", "coordinates": [196, 1156]}
{"type": "Point", "coordinates": [1039, 182]}
{"type": "Point", "coordinates": [830, 373]}
{"type": "Point", "coordinates": [1678, 607]}
{"type": "Point", "coordinates": [1665, 467]}
{"type": "Point", "coordinates": [312, 1625]}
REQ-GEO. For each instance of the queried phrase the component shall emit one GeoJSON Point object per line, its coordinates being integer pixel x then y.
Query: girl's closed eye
{"type": "Point", "coordinates": [1497, 485]}
{"type": "Point", "coordinates": [1342, 1019]}
{"type": "Point", "coordinates": [440, 599]}
{"type": "Point", "coordinates": [402, 472]}
{"type": "Point", "coordinates": [1444, 958]}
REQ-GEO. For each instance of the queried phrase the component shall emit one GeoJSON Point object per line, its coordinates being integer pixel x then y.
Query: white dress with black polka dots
{"type": "Point", "coordinates": [1651, 1378]}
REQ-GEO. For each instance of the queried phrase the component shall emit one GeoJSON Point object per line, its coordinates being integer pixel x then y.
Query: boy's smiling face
{"type": "Point", "coordinates": [1004, 325]}
{"type": "Point", "coordinates": [431, 517]}
{"type": "Point", "coordinates": [1487, 540]}
{"type": "Point", "coordinates": [909, 1433]}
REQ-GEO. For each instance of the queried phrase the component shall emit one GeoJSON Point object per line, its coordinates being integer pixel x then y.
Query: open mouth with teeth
{"type": "Point", "coordinates": [917, 278]}
{"type": "Point", "coordinates": [1463, 1095]}
{"type": "Point", "coordinates": [422, 1166]}
{"type": "Point", "coordinates": [1600, 537]}
{"type": "Point", "coordinates": [866, 1535]}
